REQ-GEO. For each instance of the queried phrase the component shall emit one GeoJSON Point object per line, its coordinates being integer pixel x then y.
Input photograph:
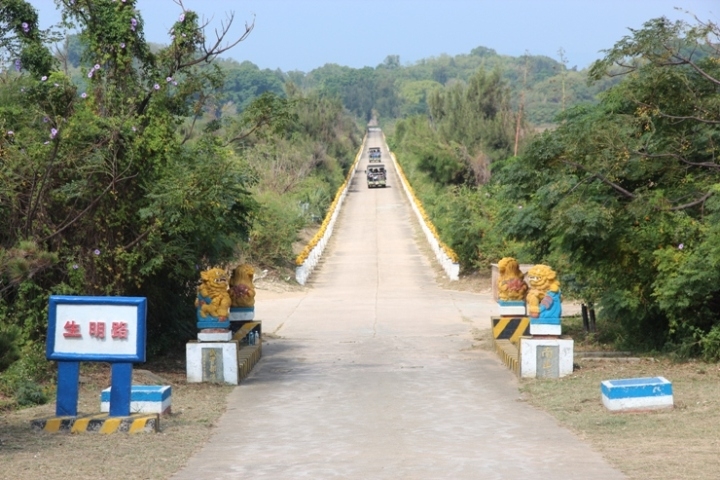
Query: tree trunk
{"type": "Point", "coordinates": [586, 320]}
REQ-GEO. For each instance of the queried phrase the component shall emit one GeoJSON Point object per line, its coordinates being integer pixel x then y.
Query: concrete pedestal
{"type": "Point", "coordinates": [214, 362]}
{"type": "Point", "coordinates": [546, 357]}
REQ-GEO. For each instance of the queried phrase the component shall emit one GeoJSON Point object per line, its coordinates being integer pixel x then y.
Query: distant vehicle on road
{"type": "Point", "coordinates": [376, 176]}
{"type": "Point", "coordinates": [374, 154]}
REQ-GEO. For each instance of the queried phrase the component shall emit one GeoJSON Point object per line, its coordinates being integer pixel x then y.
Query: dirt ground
{"type": "Point", "coordinates": [26, 454]}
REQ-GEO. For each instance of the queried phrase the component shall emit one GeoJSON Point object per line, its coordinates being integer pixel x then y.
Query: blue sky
{"type": "Point", "coordinates": [306, 34]}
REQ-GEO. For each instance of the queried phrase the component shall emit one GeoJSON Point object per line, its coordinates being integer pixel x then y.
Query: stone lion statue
{"type": "Point", "coordinates": [213, 299]}
{"type": "Point", "coordinates": [511, 284]}
{"type": "Point", "coordinates": [543, 299]}
{"type": "Point", "coordinates": [242, 290]}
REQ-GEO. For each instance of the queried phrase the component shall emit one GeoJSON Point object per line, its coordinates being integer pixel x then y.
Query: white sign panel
{"type": "Point", "coordinates": [96, 329]}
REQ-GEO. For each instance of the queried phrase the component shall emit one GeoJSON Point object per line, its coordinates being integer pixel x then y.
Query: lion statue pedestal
{"type": "Point", "coordinates": [229, 341]}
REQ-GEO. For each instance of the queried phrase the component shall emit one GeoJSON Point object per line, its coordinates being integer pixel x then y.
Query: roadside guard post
{"type": "Point", "coordinates": [95, 329]}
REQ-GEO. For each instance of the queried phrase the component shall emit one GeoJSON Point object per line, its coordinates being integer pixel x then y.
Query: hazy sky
{"type": "Point", "coordinates": [306, 34]}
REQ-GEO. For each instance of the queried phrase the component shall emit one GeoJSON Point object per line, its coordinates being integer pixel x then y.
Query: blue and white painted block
{"type": "Point", "coordinates": [240, 314]}
{"type": "Point", "coordinates": [545, 326]}
{"type": "Point", "coordinates": [143, 399]}
{"type": "Point", "coordinates": [511, 308]}
{"type": "Point", "coordinates": [637, 394]}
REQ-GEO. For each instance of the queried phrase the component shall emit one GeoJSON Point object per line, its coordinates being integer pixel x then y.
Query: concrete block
{"type": "Point", "coordinates": [637, 394]}
{"type": "Point", "coordinates": [238, 314]}
{"type": "Point", "coordinates": [545, 328]}
{"type": "Point", "coordinates": [215, 337]}
{"type": "Point", "coordinates": [508, 308]}
{"type": "Point", "coordinates": [143, 399]}
{"type": "Point", "coordinates": [546, 357]}
{"type": "Point", "coordinates": [214, 362]}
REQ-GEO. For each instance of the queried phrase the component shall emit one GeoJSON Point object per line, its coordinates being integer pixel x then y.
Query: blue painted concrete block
{"type": "Point", "coordinates": [637, 393]}
{"type": "Point", "coordinates": [143, 399]}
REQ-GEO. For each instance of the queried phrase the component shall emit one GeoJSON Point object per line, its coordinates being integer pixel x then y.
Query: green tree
{"type": "Point", "coordinates": [99, 193]}
{"type": "Point", "coordinates": [624, 194]}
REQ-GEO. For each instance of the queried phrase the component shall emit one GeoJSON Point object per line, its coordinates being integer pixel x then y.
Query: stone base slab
{"type": "Point", "coordinates": [226, 336]}
{"type": "Point", "coordinates": [511, 310]}
{"type": "Point", "coordinates": [545, 329]}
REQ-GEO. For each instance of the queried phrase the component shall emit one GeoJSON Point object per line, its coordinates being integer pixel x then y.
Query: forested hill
{"type": "Point", "coordinates": [395, 90]}
{"type": "Point", "coordinates": [544, 85]}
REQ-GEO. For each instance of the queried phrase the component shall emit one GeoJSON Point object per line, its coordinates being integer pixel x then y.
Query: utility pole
{"type": "Point", "coordinates": [563, 74]}
{"type": "Point", "coordinates": [522, 106]}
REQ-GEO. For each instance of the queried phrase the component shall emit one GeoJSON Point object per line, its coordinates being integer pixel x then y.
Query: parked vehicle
{"type": "Point", "coordinates": [376, 175]}
{"type": "Point", "coordinates": [374, 154]}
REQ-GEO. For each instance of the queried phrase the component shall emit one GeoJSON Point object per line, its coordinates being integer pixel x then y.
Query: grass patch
{"type": "Point", "coordinates": [662, 445]}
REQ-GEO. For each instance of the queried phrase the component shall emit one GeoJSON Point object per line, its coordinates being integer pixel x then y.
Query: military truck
{"type": "Point", "coordinates": [374, 154]}
{"type": "Point", "coordinates": [376, 175]}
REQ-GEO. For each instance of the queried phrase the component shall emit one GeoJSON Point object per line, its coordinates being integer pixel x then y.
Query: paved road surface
{"type": "Point", "coordinates": [371, 374]}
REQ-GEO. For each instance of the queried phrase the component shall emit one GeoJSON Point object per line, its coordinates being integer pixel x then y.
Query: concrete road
{"type": "Point", "coordinates": [371, 374]}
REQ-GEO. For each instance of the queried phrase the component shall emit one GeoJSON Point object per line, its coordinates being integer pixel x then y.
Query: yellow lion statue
{"type": "Point", "coordinates": [511, 285]}
{"type": "Point", "coordinates": [242, 290]}
{"type": "Point", "coordinates": [543, 299]}
{"type": "Point", "coordinates": [213, 299]}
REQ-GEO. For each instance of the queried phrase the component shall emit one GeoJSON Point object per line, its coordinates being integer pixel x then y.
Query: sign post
{"type": "Point", "coordinates": [96, 329]}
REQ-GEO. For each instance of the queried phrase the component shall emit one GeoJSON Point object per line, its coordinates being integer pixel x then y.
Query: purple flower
{"type": "Point", "coordinates": [96, 251]}
{"type": "Point", "coordinates": [97, 66]}
{"type": "Point", "coordinates": [25, 27]}
{"type": "Point", "coordinates": [169, 79]}
{"type": "Point", "coordinates": [10, 132]}
{"type": "Point", "coordinates": [681, 246]}
{"type": "Point", "coordinates": [90, 73]}
{"type": "Point", "coordinates": [182, 17]}
{"type": "Point", "coordinates": [134, 129]}
{"type": "Point", "coordinates": [43, 78]}
{"type": "Point", "coordinates": [53, 132]}
{"type": "Point", "coordinates": [83, 95]}
{"type": "Point", "coordinates": [45, 143]}
{"type": "Point", "coordinates": [156, 86]}
{"type": "Point", "coordinates": [175, 83]}
{"type": "Point", "coordinates": [75, 266]}
{"type": "Point", "coordinates": [18, 64]}
{"type": "Point", "coordinates": [133, 24]}
{"type": "Point", "coordinates": [122, 44]}
{"type": "Point", "coordinates": [46, 119]}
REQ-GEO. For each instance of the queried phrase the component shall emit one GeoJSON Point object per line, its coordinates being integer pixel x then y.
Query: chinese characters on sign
{"type": "Point", "coordinates": [118, 330]}
{"type": "Point", "coordinates": [548, 361]}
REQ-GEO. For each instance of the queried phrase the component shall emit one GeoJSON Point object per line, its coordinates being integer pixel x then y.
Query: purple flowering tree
{"type": "Point", "coordinates": [109, 195]}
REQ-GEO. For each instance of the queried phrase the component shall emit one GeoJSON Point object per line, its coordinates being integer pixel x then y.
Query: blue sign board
{"type": "Point", "coordinates": [96, 329]}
